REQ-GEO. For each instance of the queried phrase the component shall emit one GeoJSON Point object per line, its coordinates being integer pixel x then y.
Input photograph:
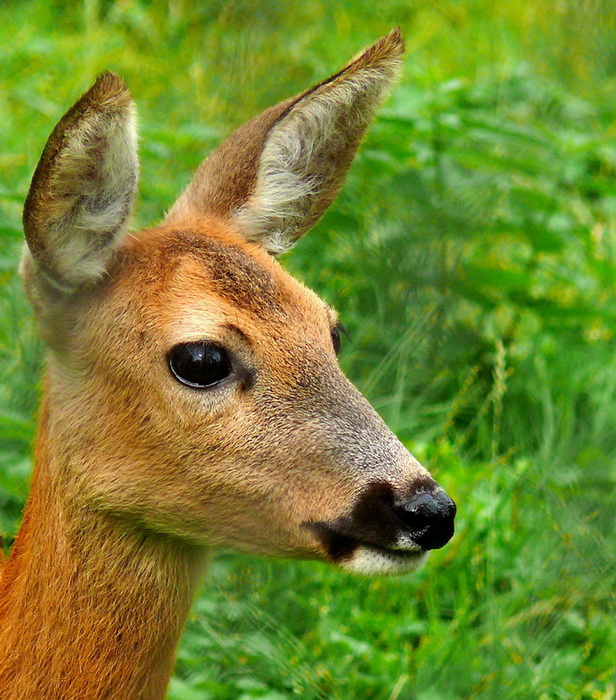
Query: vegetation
{"type": "Point", "coordinates": [471, 256]}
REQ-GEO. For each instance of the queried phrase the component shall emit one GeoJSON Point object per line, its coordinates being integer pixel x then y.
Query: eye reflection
{"type": "Point", "coordinates": [199, 364]}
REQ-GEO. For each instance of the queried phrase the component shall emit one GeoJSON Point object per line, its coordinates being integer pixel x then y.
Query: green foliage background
{"type": "Point", "coordinates": [471, 256]}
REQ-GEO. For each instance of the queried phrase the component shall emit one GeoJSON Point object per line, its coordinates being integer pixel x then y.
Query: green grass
{"type": "Point", "coordinates": [471, 256]}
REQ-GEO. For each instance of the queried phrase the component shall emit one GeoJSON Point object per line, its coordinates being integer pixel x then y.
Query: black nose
{"type": "Point", "coordinates": [429, 517]}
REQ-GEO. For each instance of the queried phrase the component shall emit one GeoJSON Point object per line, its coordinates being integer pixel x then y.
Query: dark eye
{"type": "Point", "coordinates": [200, 364]}
{"type": "Point", "coordinates": [336, 339]}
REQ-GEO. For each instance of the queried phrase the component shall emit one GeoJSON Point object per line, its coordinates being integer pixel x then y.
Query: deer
{"type": "Point", "coordinates": [192, 397]}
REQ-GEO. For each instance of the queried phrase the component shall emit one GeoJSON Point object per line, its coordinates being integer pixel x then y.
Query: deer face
{"type": "Point", "coordinates": [200, 390]}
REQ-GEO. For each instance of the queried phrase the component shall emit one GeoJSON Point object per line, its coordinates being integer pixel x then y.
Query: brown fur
{"type": "Point", "coordinates": [136, 475]}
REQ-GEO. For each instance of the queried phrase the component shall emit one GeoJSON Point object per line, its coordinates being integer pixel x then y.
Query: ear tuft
{"type": "Point", "coordinates": [383, 52]}
{"type": "Point", "coordinates": [83, 189]}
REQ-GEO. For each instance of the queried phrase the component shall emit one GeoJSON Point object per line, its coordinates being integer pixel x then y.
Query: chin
{"type": "Point", "coordinates": [368, 560]}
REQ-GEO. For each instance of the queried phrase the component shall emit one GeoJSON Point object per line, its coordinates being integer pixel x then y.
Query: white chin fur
{"type": "Point", "coordinates": [378, 562]}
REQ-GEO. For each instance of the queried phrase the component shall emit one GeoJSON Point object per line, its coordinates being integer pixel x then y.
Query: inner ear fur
{"type": "Point", "coordinates": [275, 176]}
{"type": "Point", "coordinates": [83, 189]}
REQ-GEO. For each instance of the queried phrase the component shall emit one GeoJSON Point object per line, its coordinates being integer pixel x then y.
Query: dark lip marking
{"type": "Point", "coordinates": [339, 547]}
{"type": "Point", "coordinates": [372, 522]}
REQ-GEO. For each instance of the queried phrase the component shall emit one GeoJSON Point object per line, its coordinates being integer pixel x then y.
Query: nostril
{"type": "Point", "coordinates": [429, 517]}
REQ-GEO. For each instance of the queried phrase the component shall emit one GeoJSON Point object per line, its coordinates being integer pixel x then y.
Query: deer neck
{"type": "Point", "coordinates": [89, 606]}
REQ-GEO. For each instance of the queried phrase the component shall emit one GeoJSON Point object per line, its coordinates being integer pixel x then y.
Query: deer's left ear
{"type": "Point", "coordinates": [276, 175]}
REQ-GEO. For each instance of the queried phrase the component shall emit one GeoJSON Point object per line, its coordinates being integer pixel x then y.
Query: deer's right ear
{"type": "Point", "coordinates": [83, 189]}
{"type": "Point", "coordinates": [276, 175]}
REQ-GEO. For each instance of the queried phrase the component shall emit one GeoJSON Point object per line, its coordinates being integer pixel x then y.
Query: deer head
{"type": "Point", "coordinates": [193, 385]}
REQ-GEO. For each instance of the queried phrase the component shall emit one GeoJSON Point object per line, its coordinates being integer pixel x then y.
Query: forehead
{"type": "Point", "coordinates": [180, 266]}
